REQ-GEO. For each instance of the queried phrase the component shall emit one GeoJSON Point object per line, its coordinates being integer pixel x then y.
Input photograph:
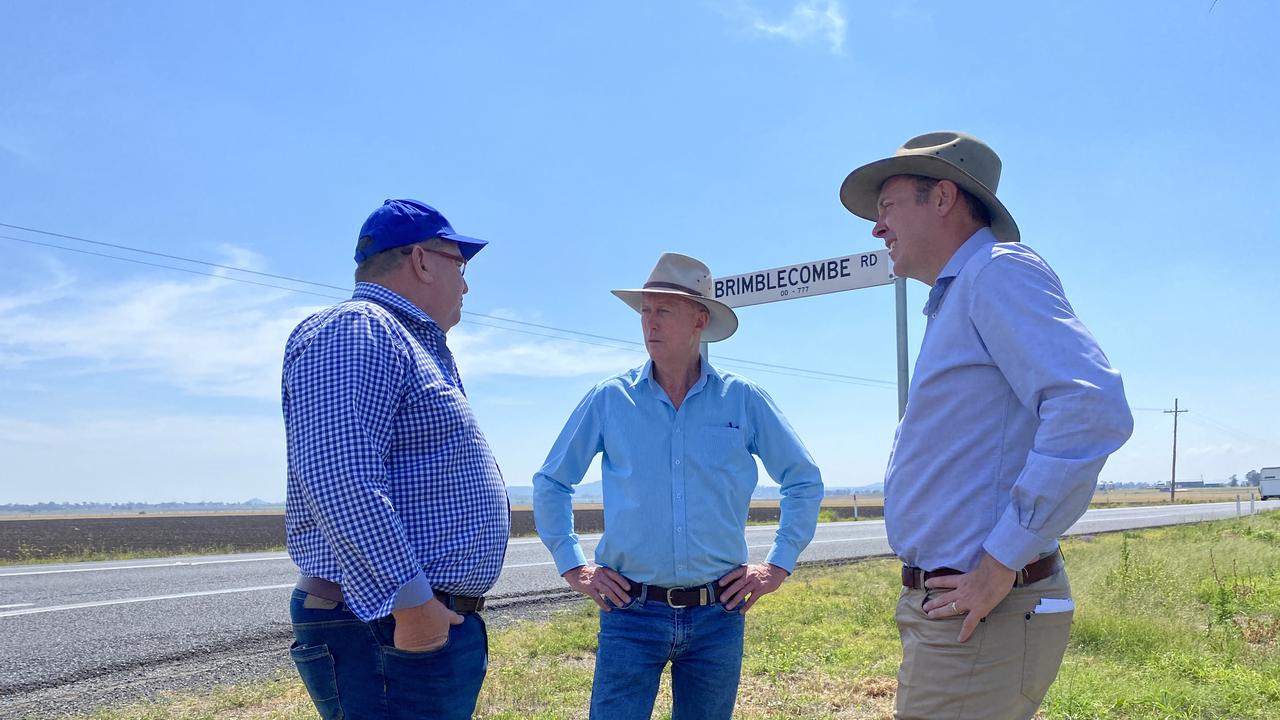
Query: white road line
{"type": "Point", "coordinates": [178, 563]}
{"type": "Point", "coordinates": [537, 564]}
{"type": "Point", "coordinates": [16, 605]}
{"type": "Point", "coordinates": [126, 601]}
{"type": "Point", "coordinates": [823, 542]}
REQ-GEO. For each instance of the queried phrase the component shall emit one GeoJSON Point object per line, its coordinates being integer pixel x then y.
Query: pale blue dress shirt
{"type": "Point", "coordinates": [1011, 414]}
{"type": "Point", "coordinates": [677, 483]}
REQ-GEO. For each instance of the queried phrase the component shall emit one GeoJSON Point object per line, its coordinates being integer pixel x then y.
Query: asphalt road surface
{"type": "Point", "coordinates": [79, 636]}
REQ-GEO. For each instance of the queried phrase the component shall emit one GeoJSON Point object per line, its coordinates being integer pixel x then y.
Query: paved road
{"type": "Point", "coordinates": [65, 629]}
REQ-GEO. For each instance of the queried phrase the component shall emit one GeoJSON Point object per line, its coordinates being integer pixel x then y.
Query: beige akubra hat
{"type": "Point", "coordinates": [963, 159]}
{"type": "Point", "coordinates": [686, 277]}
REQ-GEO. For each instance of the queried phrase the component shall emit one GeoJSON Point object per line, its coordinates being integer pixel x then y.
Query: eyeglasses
{"type": "Point", "coordinates": [462, 262]}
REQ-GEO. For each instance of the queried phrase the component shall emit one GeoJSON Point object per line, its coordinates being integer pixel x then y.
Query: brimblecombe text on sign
{"type": "Point", "coordinates": [830, 275]}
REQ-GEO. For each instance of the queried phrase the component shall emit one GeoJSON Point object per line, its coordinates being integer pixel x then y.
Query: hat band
{"type": "Point", "coordinates": [671, 286]}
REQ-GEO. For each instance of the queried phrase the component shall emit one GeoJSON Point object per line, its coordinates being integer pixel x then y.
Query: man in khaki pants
{"type": "Point", "coordinates": [1013, 410]}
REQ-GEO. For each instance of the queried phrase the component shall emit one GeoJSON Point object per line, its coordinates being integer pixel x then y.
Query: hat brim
{"type": "Point", "coordinates": [860, 192]}
{"type": "Point", "coordinates": [723, 322]}
{"type": "Point", "coordinates": [468, 246]}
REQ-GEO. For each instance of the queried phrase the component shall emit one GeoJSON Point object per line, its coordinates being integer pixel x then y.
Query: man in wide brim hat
{"type": "Point", "coordinates": [679, 440]}
{"type": "Point", "coordinates": [963, 159]}
{"type": "Point", "coordinates": [1013, 411]}
{"type": "Point", "coordinates": [681, 276]}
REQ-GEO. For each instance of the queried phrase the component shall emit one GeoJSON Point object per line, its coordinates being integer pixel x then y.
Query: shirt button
{"type": "Point", "coordinates": [677, 462]}
{"type": "Point", "coordinates": [679, 529]}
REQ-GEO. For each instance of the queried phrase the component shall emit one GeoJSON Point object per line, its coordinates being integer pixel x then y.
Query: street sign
{"type": "Point", "coordinates": [820, 277]}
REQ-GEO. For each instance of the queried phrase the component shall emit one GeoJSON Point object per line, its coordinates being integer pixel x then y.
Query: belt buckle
{"type": "Point", "coordinates": [702, 598]}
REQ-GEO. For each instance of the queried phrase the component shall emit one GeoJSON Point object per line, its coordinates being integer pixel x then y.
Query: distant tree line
{"type": "Point", "coordinates": [65, 508]}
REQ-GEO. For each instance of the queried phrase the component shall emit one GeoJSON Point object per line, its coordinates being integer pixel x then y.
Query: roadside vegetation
{"type": "Point", "coordinates": [1180, 622]}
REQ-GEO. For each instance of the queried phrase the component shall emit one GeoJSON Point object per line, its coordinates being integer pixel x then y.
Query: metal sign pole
{"type": "Point", "coordinates": [900, 289]}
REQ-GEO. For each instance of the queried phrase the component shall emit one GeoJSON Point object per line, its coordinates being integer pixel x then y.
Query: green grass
{"type": "Point", "coordinates": [1178, 622]}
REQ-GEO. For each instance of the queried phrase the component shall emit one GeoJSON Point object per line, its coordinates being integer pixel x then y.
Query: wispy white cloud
{"type": "Point", "coordinates": [483, 350]}
{"type": "Point", "coordinates": [209, 337]}
{"type": "Point", "coordinates": [809, 21]}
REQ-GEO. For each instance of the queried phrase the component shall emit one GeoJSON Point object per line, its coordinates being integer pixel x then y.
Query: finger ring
{"type": "Point", "coordinates": [954, 609]}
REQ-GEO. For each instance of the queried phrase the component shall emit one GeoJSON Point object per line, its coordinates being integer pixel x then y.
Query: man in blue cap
{"type": "Point", "coordinates": [396, 512]}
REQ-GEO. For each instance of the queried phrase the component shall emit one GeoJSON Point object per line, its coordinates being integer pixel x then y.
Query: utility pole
{"type": "Point", "coordinates": [1173, 475]}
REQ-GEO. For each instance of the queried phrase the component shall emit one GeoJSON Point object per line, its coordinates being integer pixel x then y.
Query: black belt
{"type": "Point", "coordinates": [676, 597]}
{"type": "Point", "coordinates": [461, 604]}
{"type": "Point", "coordinates": [332, 591]}
{"type": "Point", "coordinates": [1045, 567]}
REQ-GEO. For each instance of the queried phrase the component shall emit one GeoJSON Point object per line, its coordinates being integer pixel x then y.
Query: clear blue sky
{"type": "Point", "coordinates": [1139, 145]}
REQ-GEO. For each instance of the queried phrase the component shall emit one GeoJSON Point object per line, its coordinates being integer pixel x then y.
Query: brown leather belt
{"type": "Point", "coordinates": [332, 591]}
{"type": "Point", "coordinates": [675, 597]}
{"type": "Point", "coordinates": [1045, 567]}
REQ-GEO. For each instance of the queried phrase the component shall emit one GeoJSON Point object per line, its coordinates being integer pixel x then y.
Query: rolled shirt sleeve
{"type": "Point", "coordinates": [1058, 372]}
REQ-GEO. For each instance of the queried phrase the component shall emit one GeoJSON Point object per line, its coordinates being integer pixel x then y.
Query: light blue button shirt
{"type": "Point", "coordinates": [1011, 414]}
{"type": "Point", "coordinates": [677, 483]}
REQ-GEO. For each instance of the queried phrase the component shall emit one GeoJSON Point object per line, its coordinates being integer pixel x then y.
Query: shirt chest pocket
{"type": "Point", "coordinates": [724, 443]}
{"type": "Point", "coordinates": [724, 456]}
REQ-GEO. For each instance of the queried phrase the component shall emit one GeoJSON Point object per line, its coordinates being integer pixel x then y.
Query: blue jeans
{"type": "Point", "coordinates": [636, 641]}
{"type": "Point", "coordinates": [353, 671]}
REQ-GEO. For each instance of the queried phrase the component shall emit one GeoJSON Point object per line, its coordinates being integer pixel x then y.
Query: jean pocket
{"type": "Point", "coordinates": [737, 609]}
{"type": "Point", "coordinates": [1045, 642]}
{"type": "Point", "coordinates": [632, 602]}
{"type": "Point", "coordinates": [417, 654]}
{"type": "Point", "coordinates": [315, 665]}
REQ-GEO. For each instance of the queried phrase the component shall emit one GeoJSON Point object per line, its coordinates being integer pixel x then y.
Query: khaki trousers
{"type": "Point", "coordinates": [1002, 672]}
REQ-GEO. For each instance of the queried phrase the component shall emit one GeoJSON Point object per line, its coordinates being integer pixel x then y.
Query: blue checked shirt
{"type": "Point", "coordinates": [1013, 410]}
{"type": "Point", "coordinates": [393, 491]}
{"type": "Point", "coordinates": [677, 483]}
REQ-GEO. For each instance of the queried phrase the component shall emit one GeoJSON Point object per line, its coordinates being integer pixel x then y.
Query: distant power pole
{"type": "Point", "coordinates": [1173, 475]}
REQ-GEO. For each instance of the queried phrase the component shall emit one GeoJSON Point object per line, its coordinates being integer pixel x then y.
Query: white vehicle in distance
{"type": "Point", "coordinates": [1269, 487]}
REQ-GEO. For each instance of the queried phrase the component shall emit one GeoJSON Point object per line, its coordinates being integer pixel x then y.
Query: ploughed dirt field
{"type": "Point", "coordinates": [26, 538]}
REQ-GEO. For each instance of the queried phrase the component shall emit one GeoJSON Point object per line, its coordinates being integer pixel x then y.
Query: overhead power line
{"type": "Point", "coordinates": [578, 336]}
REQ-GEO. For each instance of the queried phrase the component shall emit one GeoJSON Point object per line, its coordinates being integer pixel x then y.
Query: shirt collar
{"type": "Point", "coordinates": [646, 375]}
{"type": "Point", "coordinates": [983, 236]}
{"type": "Point", "coordinates": [394, 301]}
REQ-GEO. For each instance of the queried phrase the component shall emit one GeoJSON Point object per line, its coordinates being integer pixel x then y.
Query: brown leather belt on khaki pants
{"type": "Point", "coordinates": [1045, 567]}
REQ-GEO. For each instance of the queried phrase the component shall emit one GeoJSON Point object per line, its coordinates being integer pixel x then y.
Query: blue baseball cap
{"type": "Point", "coordinates": [405, 222]}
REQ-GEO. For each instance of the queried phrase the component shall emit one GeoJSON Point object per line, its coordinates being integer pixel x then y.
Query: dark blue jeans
{"type": "Point", "coordinates": [353, 671]}
{"type": "Point", "coordinates": [703, 645]}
